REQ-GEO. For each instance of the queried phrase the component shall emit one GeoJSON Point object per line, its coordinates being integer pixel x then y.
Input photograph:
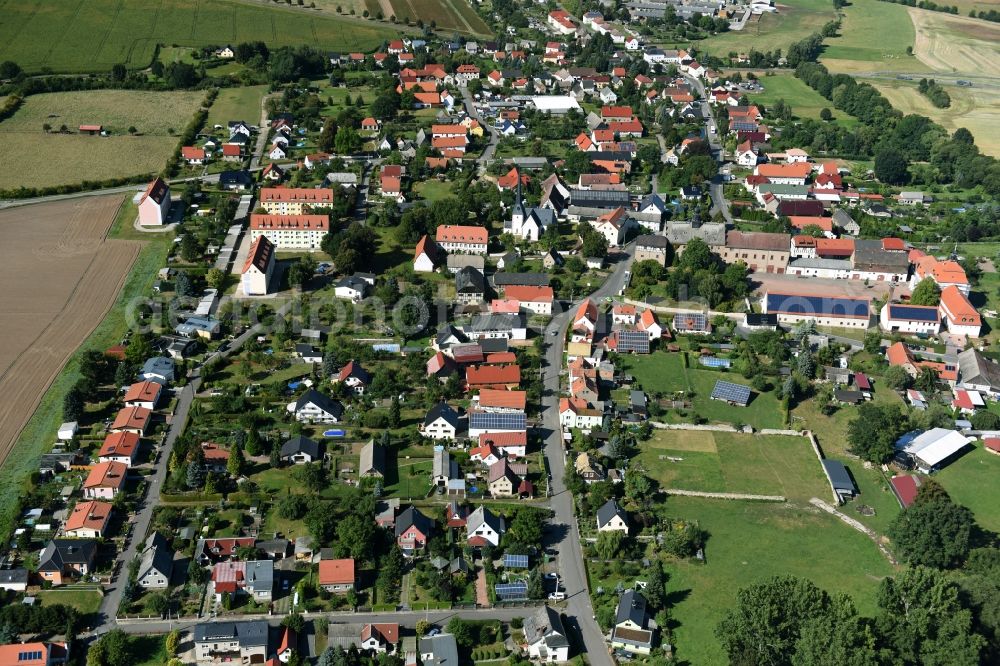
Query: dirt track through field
{"type": "Point", "coordinates": [60, 275]}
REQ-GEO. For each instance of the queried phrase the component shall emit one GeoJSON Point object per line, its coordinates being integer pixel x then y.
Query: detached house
{"type": "Point", "coordinates": [156, 563]}
{"type": "Point", "coordinates": [119, 447]}
{"type": "Point", "coordinates": [315, 407]}
{"type": "Point", "coordinates": [300, 450]}
{"type": "Point", "coordinates": [236, 642]}
{"type": "Point", "coordinates": [154, 204]}
{"type": "Point", "coordinates": [105, 480]}
{"type": "Point", "coordinates": [354, 377]}
{"type": "Point", "coordinates": [258, 268]}
{"type": "Point", "coordinates": [64, 559]}
{"type": "Point", "coordinates": [413, 529]}
{"type": "Point", "coordinates": [612, 518]}
{"type": "Point", "coordinates": [441, 422]}
{"type": "Point", "coordinates": [337, 576]}
{"type": "Point", "coordinates": [88, 520]}
{"type": "Point", "coordinates": [630, 633]}
{"type": "Point", "coordinates": [484, 527]}
{"type": "Point", "coordinates": [546, 636]}
{"type": "Point", "coordinates": [380, 638]}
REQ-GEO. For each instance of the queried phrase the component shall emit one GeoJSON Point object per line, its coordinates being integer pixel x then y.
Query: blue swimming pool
{"type": "Point", "coordinates": [334, 433]}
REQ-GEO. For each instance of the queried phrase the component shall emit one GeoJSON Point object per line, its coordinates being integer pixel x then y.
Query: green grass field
{"type": "Point", "coordinates": [972, 481]}
{"type": "Point", "coordinates": [751, 541]}
{"type": "Point", "coordinates": [873, 37]}
{"type": "Point", "coordinates": [39, 159]}
{"type": "Point", "coordinates": [236, 104]}
{"type": "Point", "coordinates": [734, 463]}
{"type": "Point", "coordinates": [93, 35]}
{"type": "Point", "coordinates": [794, 20]}
{"type": "Point", "coordinates": [85, 601]}
{"type": "Point", "coordinates": [665, 372]}
{"type": "Point", "coordinates": [805, 102]}
{"type": "Point", "coordinates": [37, 435]}
{"type": "Point", "coordinates": [433, 190]}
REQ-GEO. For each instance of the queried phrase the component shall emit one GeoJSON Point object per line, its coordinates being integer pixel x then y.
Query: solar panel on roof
{"type": "Point", "coordinates": [729, 392]}
{"type": "Point", "coordinates": [515, 561]}
{"type": "Point", "coordinates": [692, 321]}
{"type": "Point", "coordinates": [914, 313]}
{"type": "Point", "coordinates": [714, 362]}
{"type": "Point", "coordinates": [817, 305]}
{"type": "Point", "coordinates": [633, 341]}
{"type": "Point", "coordinates": [512, 591]}
{"type": "Point", "coordinates": [498, 421]}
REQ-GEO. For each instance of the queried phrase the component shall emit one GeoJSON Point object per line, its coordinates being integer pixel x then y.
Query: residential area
{"type": "Point", "coordinates": [573, 340]}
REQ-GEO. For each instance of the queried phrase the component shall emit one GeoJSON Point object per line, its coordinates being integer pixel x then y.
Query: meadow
{"type": "Point", "coordinates": [734, 463]}
{"type": "Point", "coordinates": [856, 49]}
{"type": "Point", "coordinates": [93, 35]}
{"type": "Point", "coordinates": [971, 480]}
{"type": "Point", "coordinates": [794, 20]}
{"type": "Point", "coordinates": [236, 104]}
{"type": "Point", "coordinates": [752, 541]}
{"type": "Point", "coordinates": [804, 101]}
{"type": "Point", "coordinates": [664, 372]}
{"type": "Point", "coordinates": [40, 159]}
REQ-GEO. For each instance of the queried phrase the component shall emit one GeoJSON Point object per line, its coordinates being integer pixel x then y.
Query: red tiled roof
{"type": "Point", "coordinates": [449, 233]}
{"type": "Point", "coordinates": [492, 374]}
{"type": "Point", "coordinates": [119, 444]}
{"type": "Point", "coordinates": [504, 439]}
{"type": "Point", "coordinates": [106, 475]}
{"type": "Point", "coordinates": [89, 516]}
{"type": "Point", "coordinates": [306, 195]}
{"type": "Point", "coordinates": [290, 222]}
{"type": "Point", "coordinates": [336, 572]}
{"type": "Point", "coordinates": [906, 487]}
{"type": "Point", "coordinates": [495, 399]}
{"type": "Point", "coordinates": [145, 391]}
{"type": "Point", "coordinates": [957, 307]}
{"type": "Point", "coordinates": [131, 417]}
{"type": "Point", "coordinates": [529, 294]}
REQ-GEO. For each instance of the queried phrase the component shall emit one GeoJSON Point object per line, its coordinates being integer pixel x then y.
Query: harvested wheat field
{"type": "Point", "coordinates": [60, 276]}
{"type": "Point", "coordinates": [975, 109]}
{"type": "Point", "coordinates": [956, 44]}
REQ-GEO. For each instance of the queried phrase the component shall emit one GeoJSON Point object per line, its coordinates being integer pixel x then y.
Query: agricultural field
{"type": "Point", "coordinates": [971, 481]}
{"type": "Point", "coordinates": [971, 108]}
{"type": "Point", "coordinates": [794, 20]}
{"type": "Point", "coordinates": [449, 15]}
{"type": "Point", "coordinates": [752, 541]}
{"type": "Point", "coordinates": [805, 102]}
{"type": "Point", "coordinates": [734, 463]}
{"type": "Point", "coordinates": [44, 321]}
{"type": "Point", "coordinates": [93, 35]}
{"type": "Point", "coordinates": [947, 43]}
{"type": "Point", "coordinates": [41, 159]}
{"type": "Point", "coordinates": [665, 373]}
{"type": "Point", "coordinates": [856, 49]}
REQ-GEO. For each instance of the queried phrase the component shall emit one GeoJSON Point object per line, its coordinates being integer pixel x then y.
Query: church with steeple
{"type": "Point", "coordinates": [528, 222]}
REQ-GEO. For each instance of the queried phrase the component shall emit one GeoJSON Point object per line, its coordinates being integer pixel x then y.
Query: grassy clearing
{"type": "Point", "coordinates": [972, 481]}
{"type": "Point", "coordinates": [856, 49]}
{"type": "Point", "coordinates": [86, 601]}
{"type": "Point", "coordinates": [971, 108]}
{"type": "Point", "coordinates": [831, 433]}
{"type": "Point", "coordinates": [753, 541]}
{"type": "Point", "coordinates": [39, 159]}
{"type": "Point", "coordinates": [734, 463]}
{"type": "Point", "coordinates": [93, 35]}
{"type": "Point", "coordinates": [433, 190]}
{"type": "Point", "coordinates": [805, 102]}
{"type": "Point", "coordinates": [665, 373]}
{"type": "Point", "coordinates": [236, 104]}
{"type": "Point", "coordinates": [794, 20]}
{"type": "Point", "coordinates": [37, 435]}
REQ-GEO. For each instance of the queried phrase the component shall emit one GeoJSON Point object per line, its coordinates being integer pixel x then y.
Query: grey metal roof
{"type": "Point", "coordinates": [442, 410]}
{"type": "Point", "coordinates": [443, 650]}
{"type": "Point", "coordinates": [469, 280]}
{"type": "Point", "coordinates": [300, 444]}
{"type": "Point", "coordinates": [249, 634]}
{"type": "Point", "coordinates": [545, 625]}
{"type": "Point", "coordinates": [653, 241]}
{"type": "Point", "coordinates": [839, 476]}
{"type": "Point", "coordinates": [819, 262]}
{"type": "Point", "coordinates": [156, 557]}
{"type": "Point", "coordinates": [505, 279]}
{"type": "Point", "coordinates": [496, 322]}
{"type": "Point", "coordinates": [372, 459]}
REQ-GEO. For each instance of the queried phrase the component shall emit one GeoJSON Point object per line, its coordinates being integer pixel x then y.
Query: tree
{"type": "Point", "coordinates": [897, 378]}
{"type": "Point", "coordinates": [873, 433]}
{"type": "Point", "coordinates": [873, 342]}
{"type": "Point", "coordinates": [182, 284]}
{"type": "Point", "coordinates": [328, 134]}
{"type": "Point", "coordinates": [536, 584]}
{"type": "Point", "coordinates": [292, 507]}
{"type": "Point", "coordinates": [159, 603]}
{"type": "Point", "coordinates": [462, 631]}
{"type": "Point", "coordinates": [526, 528]}
{"type": "Point", "coordinates": [390, 574]}
{"type": "Point", "coordinates": [768, 619]}
{"type": "Point", "coordinates": [638, 487]}
{"type": "Point", "coordinates": [118, 72]}
{"type": "Point", "coordinates": [609, 544]}
{"type": "Point", "coordinates": [113, 650]}
{"type": "Point", "coordinates": [927, 380]}
{"type": "Point", "coordinates": [172, 642]}
{"type": "Point", "coordinates": [891, 167]}
{"type": "Point", "coordinates": [236, 462]}
{"type": "Point", "coordinates": [311, 475]}
{"type": "Point", "coordinates": [984, 420]}
{"type": "Point", "coordinates": [926, 292]}
{"type": "Point", "coordinates": [825, 114]}
{"type": "Point", "coordinates": [215, 278]}
{"type": "Point", "coordinates": [9, 70]}
{"type": "Point", "coordinates": [295, 622]}
{"type": "Point", "coordinates": [73, 404]}
{"type": "Point", "coordinates": [394, 413]}
{"type": "Point", "coordinates": [195, 477]}
{"type": "Point", "coordinates": [933, 531]}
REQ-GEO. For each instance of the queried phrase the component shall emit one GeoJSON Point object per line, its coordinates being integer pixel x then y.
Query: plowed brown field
{"type": "Point", "coordinates": [59, 276]}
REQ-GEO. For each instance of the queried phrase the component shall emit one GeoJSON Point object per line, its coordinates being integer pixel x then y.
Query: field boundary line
{"type": "Point", "coordinates": [725, 496]}
{"type": "Point", "coordinates": [194, 19]}
{"type": "Point", "coordinates": [871, 534]}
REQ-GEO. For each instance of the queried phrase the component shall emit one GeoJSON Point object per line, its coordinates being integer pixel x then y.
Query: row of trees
{"type": "Point", "coordinates": [933, 91]}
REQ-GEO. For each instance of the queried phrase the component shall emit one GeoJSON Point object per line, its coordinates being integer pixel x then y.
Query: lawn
{"type": "Point", "coordinates": [37, 158]}
{"type": "Point", "coordinates": [664, 372]}
{"type": "Point", "coordinates": [794, 20]}
{"type": "Point", "coordinates": [751, 541]}
{"type": "Point", "coordinates": [86, 601]}
{"type": "Point", "coordinates": [93, 35]}
{"type": "Point", "coordinates": [972, 481]}
{"type": "Point", "coordinates": [805, 102]}
{"type": "Point", "coordinates": [151, 650]}
{"type": "Point", "coordinates": [734, 463]}
{"type": "Point", "coordinates": [857, 49]}
{"type": "Point", "coordinates": [236, 104]}
{"type": "Point", "coordinates": [433, 190]}
{"type": "Point", "coordinates": [411, 480]}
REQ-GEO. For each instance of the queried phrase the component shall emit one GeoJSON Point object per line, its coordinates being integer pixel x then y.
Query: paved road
{"type": "Point", "coordinates": [470, 108]}
{"type": "Point", "coordinates": [405, 618]}
{"type": "Point", "coordinates": [719, 203]}
{"type": "Point", "coordinates": [563, 534]}
{"type": "Point", "coordinates": [978, 80]}
{"type": "Point", "coordinates": [141, 520]}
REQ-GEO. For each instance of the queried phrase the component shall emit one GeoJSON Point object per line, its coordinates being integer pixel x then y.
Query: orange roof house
{"type": "Point", "coordinates": [120, 447]}
{"type": "Point", "coordinates": [133, 419]}
{"type": "Point", "coordinates": [88, 519]}
{"type": "Point", "coordinates": [496, 399]}
{"type": "Point", "coordinates": [105, 480]}
{"type": "Point", "coordinates": [337, 573]}
{"type": "Point", "coordinates": [145, 393]}
{"type": "Point", "coordinates": [492, 376]}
